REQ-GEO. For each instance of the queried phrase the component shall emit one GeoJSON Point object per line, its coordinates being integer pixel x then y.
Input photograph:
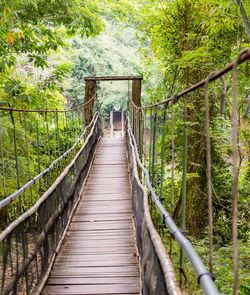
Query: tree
{"type": "Point", "coordinates": [114, 52]}
{"type": "Point", "coordinates": [33, 27]}
{"type": "Point", "coordinates": [245, 19]}
{"type": "Point", "coordinates": [187, 40]}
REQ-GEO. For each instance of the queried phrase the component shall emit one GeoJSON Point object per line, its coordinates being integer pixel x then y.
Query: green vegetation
{"type": "Point", "coordinates": [48, 47]}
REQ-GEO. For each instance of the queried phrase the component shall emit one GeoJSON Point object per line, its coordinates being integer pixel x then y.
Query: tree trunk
{"type": "Point", "coordinates": [244, 16]}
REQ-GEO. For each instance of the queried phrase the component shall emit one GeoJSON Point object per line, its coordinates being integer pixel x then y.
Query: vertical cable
{"type": "Point", "coordinates": [184, 187]}
{"type": "Point", "coordinates": [48, 137]}
{"type": "Point", "coordinates": [143, 138]}
{"type": "Point", "coordinates": [57, 134]}
{"type": "Point", "coordinates": [235, 172]}
{"type": "Point", "coordinates": [38, 154]}
{"type": "Point", "coordinates": [15, 150]}
{"type": "Point", "coordinates": [38, 148]}
{"type": "Point", "coordinates": [139, 130]}
{"type": "Point", "coordinates": [27, 153]}
{"type": "Point", "coordinates": [17, 160]}
{"type": "Point", "coordinates": [79, 119]}
{"type": "Point", "coordinates": [172, 163]}
{"type": "Point", "coordinates": [25, 253]}
{"type": "Point", "coordinates": [3, 161]}
{"type": "Point", "coordinates": [150, 142]}
{"type": "Point", "coordinates": [73, 126]}
{"type": "Point", "coordinates": [154, 144]}
{"type": "Point", "coordinates": [163, 152]}
{"type": "Point", "coordinates": [66, 131]}
{"type": "Point", "coordinates": [209, 177]}
{"type": "Point", "coordinates": [172, 175]}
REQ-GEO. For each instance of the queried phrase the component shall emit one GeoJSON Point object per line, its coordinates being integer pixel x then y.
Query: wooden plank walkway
{"type": "Point", "coordinates": [99, 255]}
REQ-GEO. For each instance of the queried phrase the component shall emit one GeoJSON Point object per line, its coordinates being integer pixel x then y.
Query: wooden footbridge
{"type": "Point", "coordinates": [99, 253]}
{"type": "Point", "coordinates": [94, 219]}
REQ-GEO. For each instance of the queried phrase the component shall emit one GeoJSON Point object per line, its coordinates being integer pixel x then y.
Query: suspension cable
{"type": "Point", "coordinates": [205, 279]}
{"type": "Point", "coordinates": [28, 184]}
{"type": "Point", "coordinates": [209, 172]}
{"type": "Point", "coordinates": [48, 111]}
{"type": "Point", "coordinates": [243, 56]}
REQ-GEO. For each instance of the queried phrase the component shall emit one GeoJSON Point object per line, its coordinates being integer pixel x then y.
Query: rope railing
{"type": "Point", "coordinates": [35, 146]}
{"type": "Point", "coordinates": [204, 278]}
{"type": "Point", "coordinates": [242, 57]}
{"type": "Point", "coordinates": [165, 132]}
{"type": "Point", "coordinates": [30, 243]}
{"type": "Point", "coordinates": [28, 184]}
{"type": "Point", "coordinates": [78, 107]}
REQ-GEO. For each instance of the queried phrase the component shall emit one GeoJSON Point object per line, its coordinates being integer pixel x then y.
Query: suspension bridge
{"type": "Point", "coordinates": [87, 213]}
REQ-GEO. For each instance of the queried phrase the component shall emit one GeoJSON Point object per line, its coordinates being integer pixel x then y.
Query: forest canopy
{"type": "Point", "coordinates": [48, 47]}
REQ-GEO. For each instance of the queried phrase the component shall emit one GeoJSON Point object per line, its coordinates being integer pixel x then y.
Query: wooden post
{"type": "Point", "coordinates": [136, 97]}
{"type": "Point", "coordinates": [136, 91]}
{"type": "Point", "coordinates": [122, 118]}
{"type": "Point", "coordinates": [111, 124]}
{"type": "Point", "coordinates": [90, 92]}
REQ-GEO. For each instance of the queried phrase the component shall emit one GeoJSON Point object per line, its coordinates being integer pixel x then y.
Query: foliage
{"type": "Point", "coordinates": [33, 27]}
{"type": "Point", "coordinates": [48, 47]}
{"type": "Point", "coordinates": [222, 267]}
{"type": "Point", "coordinates": [113, 53]}
{"type": "Point", "coordinates": [182, 41]}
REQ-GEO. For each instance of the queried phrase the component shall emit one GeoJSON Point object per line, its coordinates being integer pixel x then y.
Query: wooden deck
{"type": "Point", "coordinates": [99, 254]}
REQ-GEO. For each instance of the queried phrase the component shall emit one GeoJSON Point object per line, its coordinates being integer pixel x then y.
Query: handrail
{"type": "Point", "coordinates": [243, 56]}
{"type": "Point", "coordinates": [205, 279]}
{"type": "Point", "coordinates": [33, 180]}
{"type": "Point", "coordinates": [31, 211]}
{"type": "Point", "coordinates": [29, 244]}
{"type": "Point", "coordinates": [46, 110]}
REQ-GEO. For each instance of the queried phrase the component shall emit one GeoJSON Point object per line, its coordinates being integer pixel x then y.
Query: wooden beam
{"type": "Point", "coordinates": [136, 98]}
{"type": "Point", "coordinates": [136, 92]}
{"type": "Point", "coordinates": [113, 78]}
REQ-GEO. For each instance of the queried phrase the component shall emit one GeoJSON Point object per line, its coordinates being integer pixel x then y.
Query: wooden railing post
{"type": "Point", "coordinates": [136, 91]}
{"type": "Point", "coordinates": [90, 92]}
{"type": "Point", "coordinates": [136, 98]}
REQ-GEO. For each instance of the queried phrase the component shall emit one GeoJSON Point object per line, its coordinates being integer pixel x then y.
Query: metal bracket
{"type": "Point", "coordinates": [206, 274]}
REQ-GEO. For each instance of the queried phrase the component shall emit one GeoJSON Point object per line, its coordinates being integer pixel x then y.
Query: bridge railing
{"type": "Point", "coordinates": [157, 273]}
{"type": "Point", "coordinates": [35, 147]}
{"type": "Point", "coordinates": [29, 244]}
{"type": "Point", "coordinates": [169, 181]}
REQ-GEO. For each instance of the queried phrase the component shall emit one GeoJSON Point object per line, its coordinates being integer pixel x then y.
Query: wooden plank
{"type": "Point", "coordinates": [107, 190]}
{"type": "Point", "coordinates": [92, 281]}
{"type": "Point", "coordinates": [108, 186]}
{"type": "Point", "coordinates": [109, 174]}
{"type": "Point", "coordinates": [102, 217]}
{"type": "Point", "coordinates": [103, 233]}
{"type": "Point", "coordinates": [94, 251]}
{"type": "Point", "coordinates": [96, 257]}
{"type": "Point", "coordinates": [96, 271]}
{"type": "Point", "coordinates": [99, 237]}
{"type": "Point", "coordinates": [103, 181]}
{"type": "Point", "coordinates": [101, 263]}
{"type": "Point", "coordinates": [105, 210]}
{"type": "Point", "coordinates": [92, 289]}
{"type": "Point", "coordinates": [111, 196]}
{"type": "Point", "coordinates": [105, 165]}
